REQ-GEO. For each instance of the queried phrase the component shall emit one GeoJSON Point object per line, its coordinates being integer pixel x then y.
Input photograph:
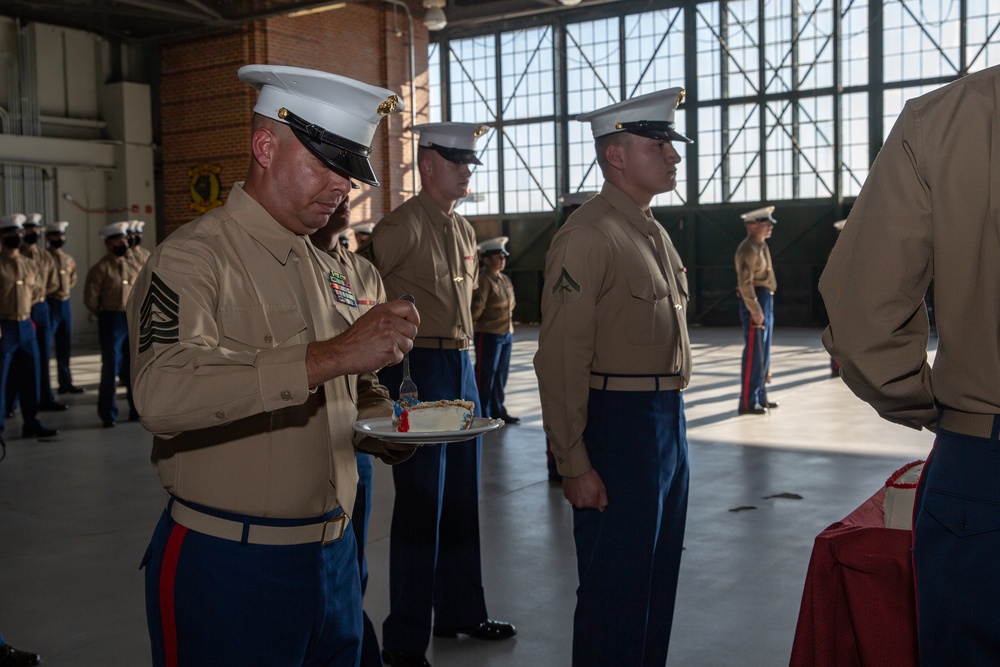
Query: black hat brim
{"type": "Point", "coordinates": [456, 155]}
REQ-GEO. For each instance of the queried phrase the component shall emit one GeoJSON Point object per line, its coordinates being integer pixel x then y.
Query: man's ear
{"type": "Point", "coordinates": [426, 167]}
{"type": "Point", "coordinates": [263, 145]}
{"type": "Point", "coordinates": [615, 156]}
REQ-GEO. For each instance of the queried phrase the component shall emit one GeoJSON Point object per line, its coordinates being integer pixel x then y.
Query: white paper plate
{"type": "Point", "coordinates": [383, 429]}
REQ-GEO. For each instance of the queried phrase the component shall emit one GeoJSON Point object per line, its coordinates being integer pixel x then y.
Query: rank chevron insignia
{"type": "Point", "coordinates": [159, 315]}
{"type": "Point", "coordinates": [565, 283]}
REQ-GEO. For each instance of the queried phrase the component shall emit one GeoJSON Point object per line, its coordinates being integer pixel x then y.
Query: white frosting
{"type": "Point", "coordinates": [437, 416]}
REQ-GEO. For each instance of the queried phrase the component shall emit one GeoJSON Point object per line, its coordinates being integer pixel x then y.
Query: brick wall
{"type": "Point", "coordinates": [206, 110]}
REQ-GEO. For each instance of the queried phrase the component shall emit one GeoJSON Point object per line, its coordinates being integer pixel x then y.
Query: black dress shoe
{"type": "Point", "coordinates": [54, 406]}
{"type": "Point", "coordinates": [486, 630]}
{"type": "Point", "coordinates": [10, 414]}
{"type": "Point", "coordinates": [771, 405]}
{"type": "Point", "coordinates": [755, 410]}
{"type": "Point", "coordinates": [510, 420]}
{"type": "Point", "coordinates": [110, 423]}
{"type": "Point", "coordinates": [71, 390]}
{"type": "Point", "coordinates": [12, 657]}
{"type": "Point", "coordinates": [38, 430]}
{"type": "Point", "coordinates": [404, 659]}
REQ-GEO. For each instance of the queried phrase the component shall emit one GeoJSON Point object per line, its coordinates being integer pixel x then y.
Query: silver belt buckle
{"type": "Point", "coordinates": [333, 529]}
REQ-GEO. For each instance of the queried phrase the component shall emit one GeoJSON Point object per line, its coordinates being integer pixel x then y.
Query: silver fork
{"type": "Point", "coordinates": [407, 388]}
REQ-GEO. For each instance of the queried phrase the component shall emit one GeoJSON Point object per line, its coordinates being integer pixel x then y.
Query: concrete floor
{"type": "Point", "coordinates": [76, 512]}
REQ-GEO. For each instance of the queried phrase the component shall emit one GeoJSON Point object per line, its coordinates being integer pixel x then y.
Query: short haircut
{"type": "Point", "coordinates": [601, 148]}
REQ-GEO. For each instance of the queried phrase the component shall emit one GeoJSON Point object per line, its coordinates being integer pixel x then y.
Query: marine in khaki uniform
{"type": "Point", "coordinates": [136, 253]}
{"type": "Point", "coordinates": [613, 355]}
{"type": "Point", "coordinates": [19, 283]}
{"type": "Point", "coordinates": [40, 311]}
{"type": "Point", "coordinates": [106, 291]}
{"type": "Point", "coordinates": [368, 291]}
{"type": "Point", "coordinates": [60, 308]}
{"type": "Point", "coordinates": [493, 320]}
{"type": "Point", "coordinates": [426, 249]}
{"type": "Point", "coordinates": [929, 211]}
{"type": "Point", "coordinates": [755, 286]}
{"type": "Point", "coordinates": [252, 361]}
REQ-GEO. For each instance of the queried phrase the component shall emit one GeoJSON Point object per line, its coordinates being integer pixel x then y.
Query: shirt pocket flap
{"type": "Point", "coordinates": [650, 288]}
{"type": "Point", "coordinates": [261, 327]}
{"type": "Point", "coordinates": [962, 515]}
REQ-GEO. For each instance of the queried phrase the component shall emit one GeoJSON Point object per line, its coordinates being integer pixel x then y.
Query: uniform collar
{"type": "Point", "coordinates": [259, 224]}
{"type": "Point", "coordinates": [626, 206]}
{"type": "Point", "coordinates": [434, 212]}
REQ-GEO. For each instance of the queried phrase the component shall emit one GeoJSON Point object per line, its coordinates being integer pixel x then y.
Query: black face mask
{"type": "Point", "coordinates": [119, 250]}
{"type": "Point", "coordinates": [31, 238]}
{"type": "Point", "coordinates": [12, 242]}
{"type": "Point", "coordinates": [56, 243]}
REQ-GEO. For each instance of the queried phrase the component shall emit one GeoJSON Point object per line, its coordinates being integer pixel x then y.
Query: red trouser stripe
{"type": "Point", "coordinates": [746, 371]}
{"type": "Point", "coordinates": [168, 577]}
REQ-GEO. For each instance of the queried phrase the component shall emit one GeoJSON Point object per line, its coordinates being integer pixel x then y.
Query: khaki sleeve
{"type": "Point", "coordinates": [71, 271]}
{"type": "Point", "coordinates": [575, 269]}
{"type": "Point", "coordinates": [744, 278]}
{"type": "Point", "coordinates": [389, 246]}
{"type": "Point", "coordinates": [875, 281]}
{"type": "Point", "coordinates": [185, 374]}
{"type": "Point", "coordinates": [479, 297]}
{"type": "Point", "coordinates": [92, 290]}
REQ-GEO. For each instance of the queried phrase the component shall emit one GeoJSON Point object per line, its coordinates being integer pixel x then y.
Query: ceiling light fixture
{"type": "Point", "coordinates": [434, 17]}
{"type": "Point", "coordinates": [570, 3]}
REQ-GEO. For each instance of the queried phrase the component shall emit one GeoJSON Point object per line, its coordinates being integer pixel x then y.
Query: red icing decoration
{"type": "Point", "coordinates": [404, 421]}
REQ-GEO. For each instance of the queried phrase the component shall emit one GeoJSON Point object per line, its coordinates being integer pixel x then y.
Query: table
{"type": "Point", "coordinates": [859, 603]}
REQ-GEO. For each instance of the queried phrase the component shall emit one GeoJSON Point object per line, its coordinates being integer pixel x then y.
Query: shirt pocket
{"type": "Point", "coordinates": [431, 273]}
{"type": "Point", "coordinates": [649, 313]}
{"type": "Point", "coordinates": [259, 327]}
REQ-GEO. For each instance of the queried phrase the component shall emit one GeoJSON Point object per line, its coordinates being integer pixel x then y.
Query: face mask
{"type": "Point", "coordinates": [133, 241]}
{"type": "Point", "coordinates": [119, 250]}
{"type": "Point", "coordinates": [56, 243]}
{"type": "Point", "coordinates": [31, 238]}
{"type": "Point", "coordinates": [12, 242]}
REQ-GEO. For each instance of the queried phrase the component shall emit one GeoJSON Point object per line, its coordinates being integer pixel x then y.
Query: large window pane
{"type": "Point", "coordinates": [742, 141]}
{"type": "Point", "coordinates": [742, 69]}
{"type": "Point", "coordinates": [854, 43]}
{"type": "Point", "coordinates": [854, 140]}
{"type": "Point", "coordinates": [921, 38]}
{"type": "Point", "coordinates": [584, 174]}
{"type": "Point", "coordinates": [709, 55]}
{"type": "Point", "coordinates": [528, 77]}
{"type": "Point", "coordinates": [529, 174]}
{"type": "Point", "coordinates": [473, 80]}
{"type": "Point", "coordinates": [983, 25]}
{"type": "Point", "coordinates": [592, 65]}
{"type": "Point", "coordinates": [654, 48]}
{"type": "Point", "coordinates": [484, 186]}
{"type": "Point", "coordinates": [798, 52]}
{"type": "Point", "coordinates": [800, 142]}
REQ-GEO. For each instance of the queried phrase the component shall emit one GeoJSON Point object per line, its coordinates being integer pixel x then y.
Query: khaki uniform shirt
{"type": "Point", "coordinates": [109, 284]}
{"type": "Point", "coordinates": [18, 279]}
{"type": "Point", "coordinates": [223, 312]}
{"type": "Point", "coordinates": [421, 250]}
{"type": "Point", "coordinates": [753, 269]}
{"type": "Point", "coordinates": [138, 256]}
{"type": "Point", "coordinates": [929, 209]}
{"type": "Point", "coordinates": [48, 279]}
{"type": "Point", "coordinates": [614, 302]}
{"type": "Point", "coordinates": [66, 276]}
{"type": "Point", "coordinates": [493, 304]}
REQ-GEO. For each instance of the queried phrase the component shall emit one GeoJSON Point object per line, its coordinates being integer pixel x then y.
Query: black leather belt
{"type": "Point", "coordinates": [636, 382]}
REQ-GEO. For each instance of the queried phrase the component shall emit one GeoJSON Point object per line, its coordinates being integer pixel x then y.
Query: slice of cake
{"type": "Point", "coordinates": [434, 416]}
